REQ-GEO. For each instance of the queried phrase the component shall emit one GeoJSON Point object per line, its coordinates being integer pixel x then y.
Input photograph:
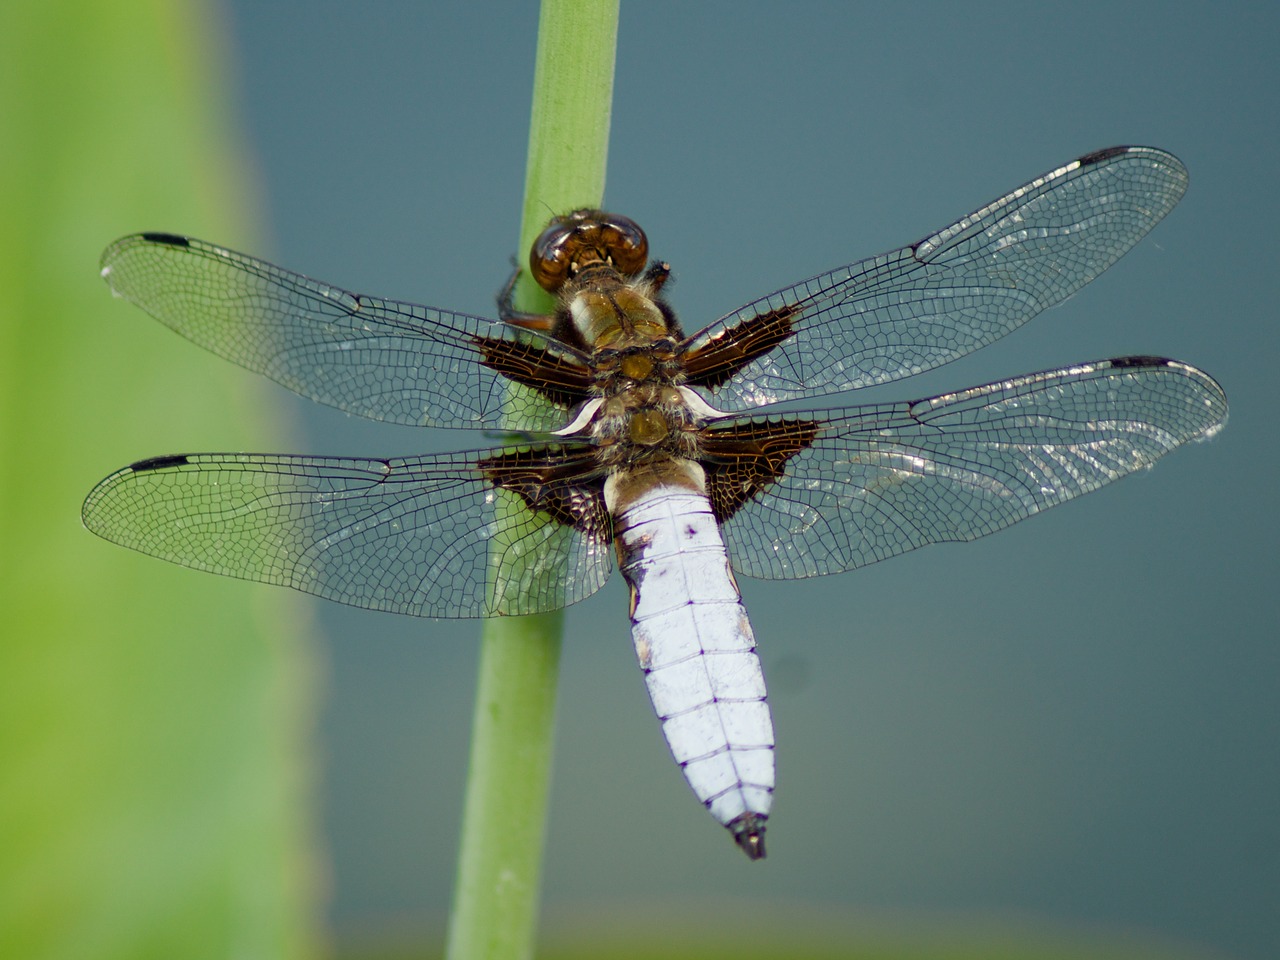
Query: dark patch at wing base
{"type": "Point", "coordinates": [563, 383]}
{"type": "Point", "coordinates": [729, 351]}
{"type": "Point", "coordinates": [564, 482]}
{"type": "Point", "coordinates": [742, 460]}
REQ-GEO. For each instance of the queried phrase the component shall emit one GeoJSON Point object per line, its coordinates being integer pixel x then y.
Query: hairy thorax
{"type": "Point", "coordinates": [644, 414]}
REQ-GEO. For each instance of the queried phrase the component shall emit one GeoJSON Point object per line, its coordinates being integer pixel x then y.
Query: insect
{"type": "Point", "coordinates": [660, 449]}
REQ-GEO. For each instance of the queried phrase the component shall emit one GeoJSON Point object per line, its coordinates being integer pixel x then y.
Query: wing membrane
{"type": "Point", "coordinates": [379, 359]}
{"type": "Point", "coordinates": [426, 536]}
{"type": "Point", "coordinates": [911, 310]}
{"type": "Point", "coordinates": [882, 479]}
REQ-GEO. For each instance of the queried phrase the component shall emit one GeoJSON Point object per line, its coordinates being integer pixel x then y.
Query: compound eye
{"type": "Point", "coordinates": [551, 256]}
{"type": "Point", "coordinates": [627, 245]}
{"type": "Point", "coordinates": [582, 238]}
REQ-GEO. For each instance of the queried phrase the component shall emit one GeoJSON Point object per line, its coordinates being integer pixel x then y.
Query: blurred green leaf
{"type": "Point", "coordinates": [152, 719]}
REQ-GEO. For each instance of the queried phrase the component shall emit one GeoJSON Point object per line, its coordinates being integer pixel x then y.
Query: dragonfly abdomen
{"type": "Point", "coordinates": [698, 652]}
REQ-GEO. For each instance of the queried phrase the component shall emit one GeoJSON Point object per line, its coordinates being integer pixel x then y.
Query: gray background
{"type": "Point", "coordinates": [1070, 725]}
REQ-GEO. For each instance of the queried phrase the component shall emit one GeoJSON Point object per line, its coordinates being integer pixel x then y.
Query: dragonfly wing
{"type": "Point", "coordinates": [911, 310]}
{"type": "Point", "coordinates": [379, 359]}
{"type": "Point", "coordinates": [865, 483]}
{"type": "Point", "coordinates": [428, 536]}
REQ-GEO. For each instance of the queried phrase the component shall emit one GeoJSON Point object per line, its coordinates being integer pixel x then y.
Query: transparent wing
{"type": "Point", "coordinates": [379, 359]}
{"type": "Point", "coordinates": [971, 283]}
{"type": "Point", "coordinates": [426, 536]}
{"type": "Point", "coordinates": [880, 480]}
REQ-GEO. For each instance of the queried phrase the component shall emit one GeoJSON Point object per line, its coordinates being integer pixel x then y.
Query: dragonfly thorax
{"type": "Point", "coordinates": [645, 422]}
{"type": "Point", "coordinates": [612, 314]}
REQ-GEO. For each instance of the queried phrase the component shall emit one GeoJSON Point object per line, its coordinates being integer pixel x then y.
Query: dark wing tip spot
{"type": "Point", "coordinates": [172, 239]}
{"type": "Point", "coordinates": [159, 463]}
{"type": "Point", "coordinates": [1140, 361]}
{"type": "Point", "coordinates": [1098, 156]}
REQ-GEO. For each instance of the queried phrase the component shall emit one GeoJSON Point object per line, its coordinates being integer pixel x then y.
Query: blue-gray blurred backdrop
{"type": "Point", "coordinates": [1072, 723]}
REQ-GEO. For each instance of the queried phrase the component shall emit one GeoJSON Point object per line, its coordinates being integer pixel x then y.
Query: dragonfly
{"type": "Point", "coordinates": [680, 456]}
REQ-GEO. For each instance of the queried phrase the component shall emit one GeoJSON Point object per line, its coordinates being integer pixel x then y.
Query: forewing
{"type": "Point", "coordinates": [879, 480]}
{"type": "Point", "coordinates": [971, 283]}
{"type": "Point", "coordinates": [380, 359]}
{"type": "Point", "coordinates": [426, 536]}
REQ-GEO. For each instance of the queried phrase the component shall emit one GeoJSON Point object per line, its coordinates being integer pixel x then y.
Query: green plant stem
{"type": "Point", "coordinates": [504, 818]}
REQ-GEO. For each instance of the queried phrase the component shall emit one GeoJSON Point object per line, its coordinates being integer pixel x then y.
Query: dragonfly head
{"type": "Point", "coordinates": [587, 238]}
